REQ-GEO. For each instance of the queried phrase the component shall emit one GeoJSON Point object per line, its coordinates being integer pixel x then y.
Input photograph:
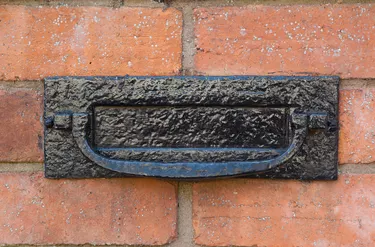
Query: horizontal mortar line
{"type": "Point", "coordinates": [21, 167]}
{"type": "Point", "coordinates": [24, 84]}
{"type": "Point", "coordinates": [21, 162]}
{"type": "Point", "coordinates": [357, 169]}
{"type": "Point", "coordinates": [271, 218]}
{"type": "Point", "coordinates": [226, 3]}
{"type": "Point", "coordinates": [83, 245]}
{"type": "Point", "coordinates": [83, 3]}
{"type": "Point", "coordinates": [95, 245]}
{"type": "Point", "coordinates": [357, 83]}
{"type": "Point", "coordinates": [177, 3]}
{"type": "Point", "coordinates": [357, 164]}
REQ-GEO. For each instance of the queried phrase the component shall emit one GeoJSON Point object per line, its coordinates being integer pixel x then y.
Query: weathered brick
{"type": "Point", "coordinates": [20, 125]}
{"type": "Point", "coordinates": [35, 210]}
{"type": "Point", "coordinates": [357, 126]}
{"type": "Point", "coordinates": [45, 41]}
{"type": "Point", "coordinates": [286, 40]}
{"type": "Point", "coordinates": [285, 213]}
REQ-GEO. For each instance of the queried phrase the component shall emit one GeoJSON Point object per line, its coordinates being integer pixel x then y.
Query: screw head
{"type": "Point", "coordinates": [48, 122]}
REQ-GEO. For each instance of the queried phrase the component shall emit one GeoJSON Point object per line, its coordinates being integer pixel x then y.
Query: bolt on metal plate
{"type": "Point", "coordinates": [191, 127]}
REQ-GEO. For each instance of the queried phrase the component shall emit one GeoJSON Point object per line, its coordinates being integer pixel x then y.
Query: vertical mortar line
{"type": "Point", "coordinates": [188, 42]}
{"type": "Point", "coordinates": [185, 229]}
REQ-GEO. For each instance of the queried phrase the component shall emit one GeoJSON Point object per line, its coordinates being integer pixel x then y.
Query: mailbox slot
{"type": "Point", "coordinates": [191, 127]}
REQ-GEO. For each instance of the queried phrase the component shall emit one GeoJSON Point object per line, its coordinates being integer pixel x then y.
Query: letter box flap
{"type": "Point", "coordinates": [191, 127]}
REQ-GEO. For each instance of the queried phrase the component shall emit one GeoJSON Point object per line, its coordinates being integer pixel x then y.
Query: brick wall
{"type": "Point", "coordinates": [208, 37]}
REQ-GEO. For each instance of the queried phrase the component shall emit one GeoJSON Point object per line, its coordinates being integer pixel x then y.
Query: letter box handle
{"type": "Point", "coordinates": [188, 170]}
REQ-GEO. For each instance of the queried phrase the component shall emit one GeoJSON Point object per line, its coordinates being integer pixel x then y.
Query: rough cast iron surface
{"type": "Point", "coordinates": [189, 127]}
{"type": "Point", "coordinates": [242, 118]}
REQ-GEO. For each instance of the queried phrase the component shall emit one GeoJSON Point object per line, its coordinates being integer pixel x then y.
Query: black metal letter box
{"type": "Point", "coordinates": [191, 127]}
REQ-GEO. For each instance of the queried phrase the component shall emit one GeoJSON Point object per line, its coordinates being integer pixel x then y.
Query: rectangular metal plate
{"type": "Point", "coordinates": [190, 120]}
{"type": "Point", "coordinates": [189, 127]}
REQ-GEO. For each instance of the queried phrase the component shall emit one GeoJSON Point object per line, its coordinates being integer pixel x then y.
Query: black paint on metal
{"type": "Point", "coordinates": [191, 127]}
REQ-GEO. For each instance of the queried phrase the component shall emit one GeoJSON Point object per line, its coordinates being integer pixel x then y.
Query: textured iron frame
{"type": "Point", "coordinates": [311, 102]}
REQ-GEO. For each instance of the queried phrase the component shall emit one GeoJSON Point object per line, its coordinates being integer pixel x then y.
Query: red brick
{"type": "Point", "coordinates": [286, 40]}
{"type": "Point", "coordinates": [35, 210]}
{"type": "Point", "coordinates": [20, 125]}
{"type": "Point", "coordinates": [357, 126]}
{"type": "Point", "coordinates": [45, 41]}
{"type": "Point", "coordinates": [285, 213]}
